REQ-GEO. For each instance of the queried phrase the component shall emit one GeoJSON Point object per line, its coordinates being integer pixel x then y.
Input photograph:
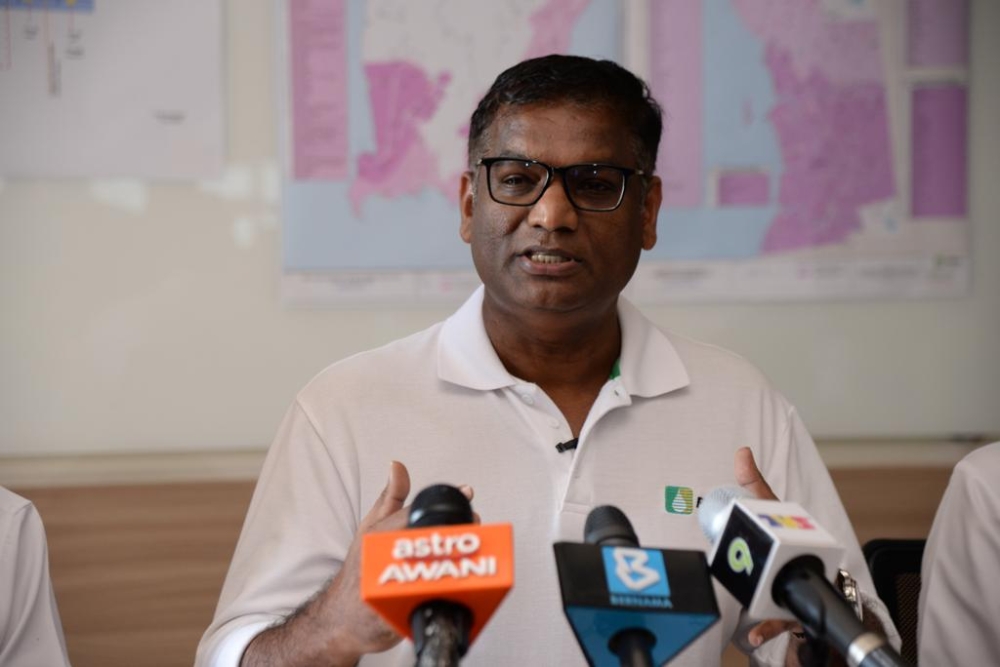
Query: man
{"type": "Point", "coordinates": [30, 630]}
{"type": "Point", "coordinates": [959, 596]}
{"type": "Point", "coordinates": [558, 203]}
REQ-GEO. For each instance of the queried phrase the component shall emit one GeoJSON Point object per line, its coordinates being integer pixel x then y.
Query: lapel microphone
{"type": "Point", "coordinates": [566, 446]}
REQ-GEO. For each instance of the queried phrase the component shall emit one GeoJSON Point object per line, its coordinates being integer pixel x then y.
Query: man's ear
{"type": "Point", "coordinates": [651, 211]}
{"type": "Point", "coordinates": [466, 204]}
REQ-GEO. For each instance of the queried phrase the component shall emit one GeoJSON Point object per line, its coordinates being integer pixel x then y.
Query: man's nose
{"type": "Point", "coordinates": [554, 211]}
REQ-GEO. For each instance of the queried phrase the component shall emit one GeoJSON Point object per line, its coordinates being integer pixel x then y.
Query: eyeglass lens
{"type": "Point", "coordinates": [521, 183]}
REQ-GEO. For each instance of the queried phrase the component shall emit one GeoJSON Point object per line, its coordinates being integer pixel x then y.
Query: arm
{"type": "Point", "coordinates": [335, 627]}
{"type": "Point", "coordinates": [298, 535]}
{"type": "Point", "coordinates": [30, 629]}
{"type": "Point", "coordinates": [832, 516]}
{"type": "Point", "coordinates": [959, 598]}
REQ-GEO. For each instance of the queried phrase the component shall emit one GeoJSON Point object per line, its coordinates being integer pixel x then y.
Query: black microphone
{"type": "Point", "coordinates": [608, 526]}
{"type": "Point", "coordinates": [628, 605]}
{"type": "Point", "coordinates": [772, 557]}
{"type": "Point", "coordinates": [439, 581]}
{"type": "Point", "coordinates": [567, 446]}
{"type": "Point", "coordinates": [440, 627]}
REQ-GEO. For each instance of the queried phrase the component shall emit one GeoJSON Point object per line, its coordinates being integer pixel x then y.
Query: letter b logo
{"type": "Point", "coordinates": [632, 571]}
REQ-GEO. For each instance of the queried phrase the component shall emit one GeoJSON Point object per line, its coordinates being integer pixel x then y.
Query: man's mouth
{"type": "Point", "coordinates": [548, 257]}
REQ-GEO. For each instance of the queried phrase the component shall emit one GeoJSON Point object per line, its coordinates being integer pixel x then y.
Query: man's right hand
{"type": "Point", "coordinates": [336, 627]}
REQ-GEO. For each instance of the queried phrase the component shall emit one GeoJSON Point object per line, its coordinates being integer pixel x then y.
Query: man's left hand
{"type": "Point", "coordinates": [749, 477]}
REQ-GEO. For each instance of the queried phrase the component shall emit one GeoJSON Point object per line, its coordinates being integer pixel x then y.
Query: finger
{"type": "Point", "coordinates": [397, 488]}
{"type": "Point", "coordinates": [392, 498]}
{"type": "Point", "coordinates": [468, 492]}
{"type": "Point", "coordinates": [748, 475]}
{"type": "Point", "coordinates": [767, 630]}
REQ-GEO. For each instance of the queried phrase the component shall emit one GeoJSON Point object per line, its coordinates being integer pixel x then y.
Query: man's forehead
{"type": "Point", "coordinates": [559, 133]}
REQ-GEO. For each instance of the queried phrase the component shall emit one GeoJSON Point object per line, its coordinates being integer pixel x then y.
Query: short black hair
{"type": "Point", "coordinates": [584, 81]}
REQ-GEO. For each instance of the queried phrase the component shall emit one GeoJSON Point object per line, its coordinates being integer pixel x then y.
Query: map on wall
{"type": "Point", "coordinates": [812, 149]}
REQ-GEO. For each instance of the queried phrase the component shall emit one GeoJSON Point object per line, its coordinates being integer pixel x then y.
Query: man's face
{"type": "Point", "coordinates": [552, 256]}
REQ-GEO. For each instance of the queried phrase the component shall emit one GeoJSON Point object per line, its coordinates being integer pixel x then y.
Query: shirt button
{"type": "Point", "coordinates": [554, 423]}
{"type": "Point", "coordinates": [528, 399]}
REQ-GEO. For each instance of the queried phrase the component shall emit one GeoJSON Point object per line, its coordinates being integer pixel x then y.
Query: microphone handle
{"type": "Point", "coordinates": [440, 629]}
{"type": "Point", "coordinates": [801, 588]}
{"type": "Point", "coordinates": [883, 656]}
{"type": "Point", "coordinates": [633, 647]}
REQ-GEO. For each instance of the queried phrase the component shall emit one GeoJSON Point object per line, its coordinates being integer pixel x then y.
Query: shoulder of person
{"type": "Point", "coordinates": [395, 360]}
{"type": "Point", "coordinates": [712, 361]}
{"type": "Point", "coordinates": [11, 503]}
{"type": "Point", "coordinates": [981, 467]}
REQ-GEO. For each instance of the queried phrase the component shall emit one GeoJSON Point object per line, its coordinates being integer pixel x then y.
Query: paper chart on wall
{"type": "Point", "coordinates": [111, 88]}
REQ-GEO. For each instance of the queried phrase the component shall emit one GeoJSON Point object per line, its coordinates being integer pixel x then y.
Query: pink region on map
{"type": "Point", "coordinates": [937, 33]}
{"type": "Point", "coordinates": [552, 26]}
{"type": "Point", "coordinates": [676, 80]}
{"type": "Point", "coordinates": [835, 145]}
{"type": "Point", "coordinates": [938, 161]}
{"type": "Point", "coordinates": [843, 50]}
{"type": "Point", "coordinates": [319, 90]}
{"type": "Point", "coordinates": [743, 188]}
{"type": "Point", "coordinates": [402, 97]}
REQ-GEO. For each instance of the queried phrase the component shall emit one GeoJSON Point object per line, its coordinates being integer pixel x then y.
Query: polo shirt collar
{"type": "Point", "coordinates": [465, 355]}
{"type": "Point", "coordinates": [650, 365]}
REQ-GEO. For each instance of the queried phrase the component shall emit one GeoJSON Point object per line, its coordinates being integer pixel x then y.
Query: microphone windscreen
{"type": "Point", "coordinates": [712, 511]}
{"type": "Point", "coordinates": [440, 505]}
{"type": "Point", "coordinates": [608, 525]}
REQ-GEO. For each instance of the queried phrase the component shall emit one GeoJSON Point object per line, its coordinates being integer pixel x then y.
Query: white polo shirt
{"type": "Point", "coordinates": [30, 631]}
{"type": "Point", "coordinates": [441, 402]}
{"type": "Point", "coordinates": [959, 613]}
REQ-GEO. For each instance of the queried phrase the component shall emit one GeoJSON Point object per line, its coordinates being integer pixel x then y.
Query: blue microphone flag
{"type": "Point", "coordinates": [662, 591]}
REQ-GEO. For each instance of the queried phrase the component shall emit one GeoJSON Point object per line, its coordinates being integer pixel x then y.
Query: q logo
{"type": "Point", "coordinates": [740, 558]}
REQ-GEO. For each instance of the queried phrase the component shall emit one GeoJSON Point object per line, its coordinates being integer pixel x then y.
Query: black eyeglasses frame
{"type": "Point", "coordinates": [626, 172]}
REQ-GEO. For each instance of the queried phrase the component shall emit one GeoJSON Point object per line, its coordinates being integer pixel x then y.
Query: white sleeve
{"type": "Point", "coordinates": [298, 529]}
{"type": "Point", "coordinates": [959, 593]}
{"type": "Point", "coordinates": [225, 647]}
{"type": "Point", "coordinates": [30, 630]}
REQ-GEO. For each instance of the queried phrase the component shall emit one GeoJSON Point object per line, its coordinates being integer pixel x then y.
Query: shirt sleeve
{"type": "Point", "coordinates": [30, 629]}
{"type": "Point", "coordinates": [299, 526]}
{"type": "Point", "coordinates": [959, 599]}
{"type": "Point", "coordinates": [796, 473]}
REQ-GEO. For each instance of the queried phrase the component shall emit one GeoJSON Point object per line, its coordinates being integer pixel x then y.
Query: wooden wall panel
{"type": "Point", "coordinates": [137, 569]}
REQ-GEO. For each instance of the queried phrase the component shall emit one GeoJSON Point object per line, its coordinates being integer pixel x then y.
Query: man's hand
{"type": "Point", "coordinates": [749, 477]}
{"type": "Point", "coordinates": [336, 627]}
{"type": "Point", "coordinates": [352, 623]}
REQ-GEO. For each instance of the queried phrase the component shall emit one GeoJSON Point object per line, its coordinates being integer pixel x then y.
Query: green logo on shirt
{"type": "Point", "coordinates": [679, 500]}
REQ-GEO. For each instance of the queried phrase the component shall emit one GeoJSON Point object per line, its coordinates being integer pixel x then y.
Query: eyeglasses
{"type": "Point", "coordinates": [589, 187]}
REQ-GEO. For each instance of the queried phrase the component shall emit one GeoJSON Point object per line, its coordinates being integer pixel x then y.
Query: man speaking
{"type": "Point", "coordinates": [545, 392]}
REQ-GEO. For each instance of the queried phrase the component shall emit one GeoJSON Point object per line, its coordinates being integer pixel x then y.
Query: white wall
{"type": "Point", "coordinates": [146, 317]}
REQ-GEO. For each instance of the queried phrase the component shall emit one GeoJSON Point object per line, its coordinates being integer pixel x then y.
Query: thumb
{"type": "Point", "coordinates": [392, 498]}
{"type": "Point", "coordinates": [748, 475]}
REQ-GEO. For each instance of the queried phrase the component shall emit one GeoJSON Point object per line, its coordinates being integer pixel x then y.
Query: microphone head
{"type": "Point", "coordinates": [608, 526]}
{"type": "Point", "coordinates": [440, 505]}
{"type": "Point", "coordinates": [713, 510]}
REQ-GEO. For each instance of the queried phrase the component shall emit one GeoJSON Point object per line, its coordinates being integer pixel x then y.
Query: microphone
{"type": "Point", "coordinates": [772, 556]}
{"type": "Point", "coordinates": [628, 605]}
{"type": "Point", "coordinates": [438, 582]}
{"type": "Point", "coordinates": [567, 446]}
